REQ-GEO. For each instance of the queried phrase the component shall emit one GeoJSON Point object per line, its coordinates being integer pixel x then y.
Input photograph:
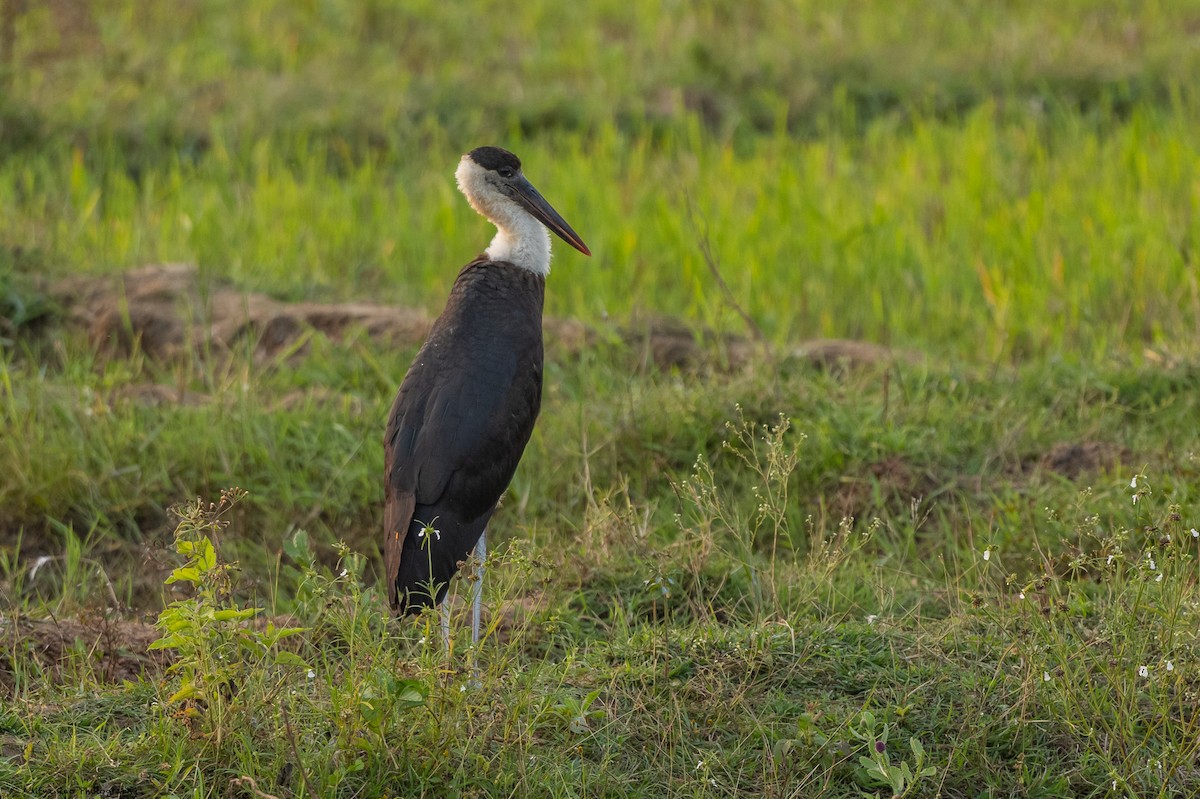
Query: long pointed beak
{"type": "Point", "coordinates": [533, 202]}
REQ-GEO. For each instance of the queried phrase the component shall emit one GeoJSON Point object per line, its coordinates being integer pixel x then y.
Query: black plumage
{"type": "Point", "coordinates": [495, 159]}
{"type": "Point", "coordinates": [459, 425]}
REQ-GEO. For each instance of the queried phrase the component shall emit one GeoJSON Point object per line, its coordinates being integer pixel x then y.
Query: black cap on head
{"type": "Point", "coordinates": [494, 158]}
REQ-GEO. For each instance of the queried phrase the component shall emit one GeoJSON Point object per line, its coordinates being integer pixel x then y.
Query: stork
{"type": "Point", "coordinates": [467, 406]}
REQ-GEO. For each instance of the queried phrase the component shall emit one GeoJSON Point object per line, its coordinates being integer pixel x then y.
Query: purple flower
{"type": "Point", "coordinates": [880, 747]}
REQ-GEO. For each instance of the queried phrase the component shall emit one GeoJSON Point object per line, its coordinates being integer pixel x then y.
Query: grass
{"type": "Point", "coordinates": [968, 572]}
{"type": "Point", "coordinates": [1005, 238]}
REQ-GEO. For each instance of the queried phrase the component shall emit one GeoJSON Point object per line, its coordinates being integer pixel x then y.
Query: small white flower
{"type": "Point", "coordinates": [872, 618]}
{"type": "Point", "coordinates": [987, 554]}
{"type": "Point", "coordinates": [1143, 671]}
{"type": "Point", "coordinates": [1158, 579]}
{"type": "Point", "coordinates": [699, 765]}
{"type": "Point", "coordinates": [462, 689]}
{"type": "Point", "coordinates": [712, 781]}
{"type": "Point", "coordinates": [1195, 533]}
{"type": "Point", "coordinates": [344, 573]}
{"type": "Point", "coordinates": [1153, 565]}
{"type": "Point", "coordinates": [311, 674]}
{"type": "Point", "coordinates": [1170, 665]}
{"type": "Point", "coordinates": [1021, 595]}
{"type": "Point", "coordinates": [1136, 497]}
{"type": "Point", "coordinates": [1110, 559]}
{"type": "Point", "coordinates": [1133, 482]}
{"type": "Point", "coordinates": [1045, 676]}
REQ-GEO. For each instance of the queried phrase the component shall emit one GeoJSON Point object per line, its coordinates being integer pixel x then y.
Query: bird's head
{"type": "Point", "coordinates": [493, 183]}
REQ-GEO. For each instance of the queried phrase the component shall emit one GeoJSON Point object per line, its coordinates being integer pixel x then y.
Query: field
{"type": "Point", "coordinates": [869, 457]}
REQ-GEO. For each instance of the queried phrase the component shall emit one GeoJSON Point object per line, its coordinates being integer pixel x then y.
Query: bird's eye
{"type": "Point", "coordinates": [506, 171]}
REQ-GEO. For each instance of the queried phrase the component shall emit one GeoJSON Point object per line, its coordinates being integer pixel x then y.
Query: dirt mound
{"type": "Point", "coordinates": [1072, 459]}
{"type": "Point", "coordinates": [670, 344]}
{"type": "Point", "coordinates": [165, 312]}
{"type": "Point", "coordinates": [834, 353]}
{"type": "Point", "coordinates": [893, 479]}
{"type": "Point", "coordinates": [115, 649]}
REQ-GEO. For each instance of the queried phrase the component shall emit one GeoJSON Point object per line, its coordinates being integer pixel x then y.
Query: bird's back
{"type": "Point", "coordinates": [459, 425]}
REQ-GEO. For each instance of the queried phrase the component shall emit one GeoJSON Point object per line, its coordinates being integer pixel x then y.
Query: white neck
{"type": "Point", "coordinates": [520, 239]}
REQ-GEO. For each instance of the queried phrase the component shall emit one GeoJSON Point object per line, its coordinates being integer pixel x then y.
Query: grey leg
{"type": "Point", "coordinates": [477, 601]}
{"type": "Point", "coordinates": [446, 623]}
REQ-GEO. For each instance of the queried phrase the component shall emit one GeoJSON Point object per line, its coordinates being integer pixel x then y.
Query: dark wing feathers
{"type": "Point", "coordinates": [397, 515]}
{"type": "Point", "coordinates": [464, 411]}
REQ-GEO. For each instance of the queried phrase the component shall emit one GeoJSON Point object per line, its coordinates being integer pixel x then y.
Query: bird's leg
{"type": "Point", "coordinates": [477, 601]}
{"type": "Point", "coordinates": [446, 624]}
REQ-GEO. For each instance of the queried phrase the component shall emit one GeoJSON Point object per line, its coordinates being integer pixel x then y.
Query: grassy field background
{"type": "Point", "coordinates": [975, 559]}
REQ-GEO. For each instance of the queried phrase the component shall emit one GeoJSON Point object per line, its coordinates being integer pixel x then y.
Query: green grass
{"type": "Point", "coordinates": [759, 660]}
{"type": "Point", "coordinates": [706, 582]}
{"type": "Point", "coordinates": [381, 69]}
{"type": "Point", "coordinates": [983, 238]}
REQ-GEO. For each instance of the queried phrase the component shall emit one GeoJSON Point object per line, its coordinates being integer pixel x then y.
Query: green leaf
{"type": "Point", "coordinates": [186, 692]}
{"type": "Point", "coordinates": [239, 614]}
{"type": "Point", "coordinates": [184, 573]}
{"type": "Point", "coordinates": [177, 622]}
{"type": "Point", "coordinates": [166, 642]}
{"type": "Point", "coordinates": [272, 636]}
{"type": "Point", "coordinates": [290, 659]}
{"type": "Point", "coordinates": [208, 555]}
{"type": "Point", "coordinates": [408, 693]}
{"type": "Point", "coordinates": [285, 632]}
{"type": "Point", "coordinates": [371, 710]}
{"type": "Point", "coordinates": [297, 547]}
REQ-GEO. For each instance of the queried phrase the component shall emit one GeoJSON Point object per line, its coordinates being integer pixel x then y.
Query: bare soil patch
{"type": "Point", "coordinates": [1072, 459]}
{"type": "Point", "coordinates": [114, 649]}
{"type": "Point", "coordinates": [836, 353]}
{"type": "Point", "coordinates": [165, 312]}
{"type": "Point", "coordinates": [893, 479]}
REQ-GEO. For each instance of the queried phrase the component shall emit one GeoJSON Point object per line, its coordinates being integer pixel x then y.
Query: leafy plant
{"type": "Point", "coordinates": [577, 712]}
{"type": "Point", "coordinates": [218, 655]}
{"type": "Point", "coordinates": [876, 766]}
